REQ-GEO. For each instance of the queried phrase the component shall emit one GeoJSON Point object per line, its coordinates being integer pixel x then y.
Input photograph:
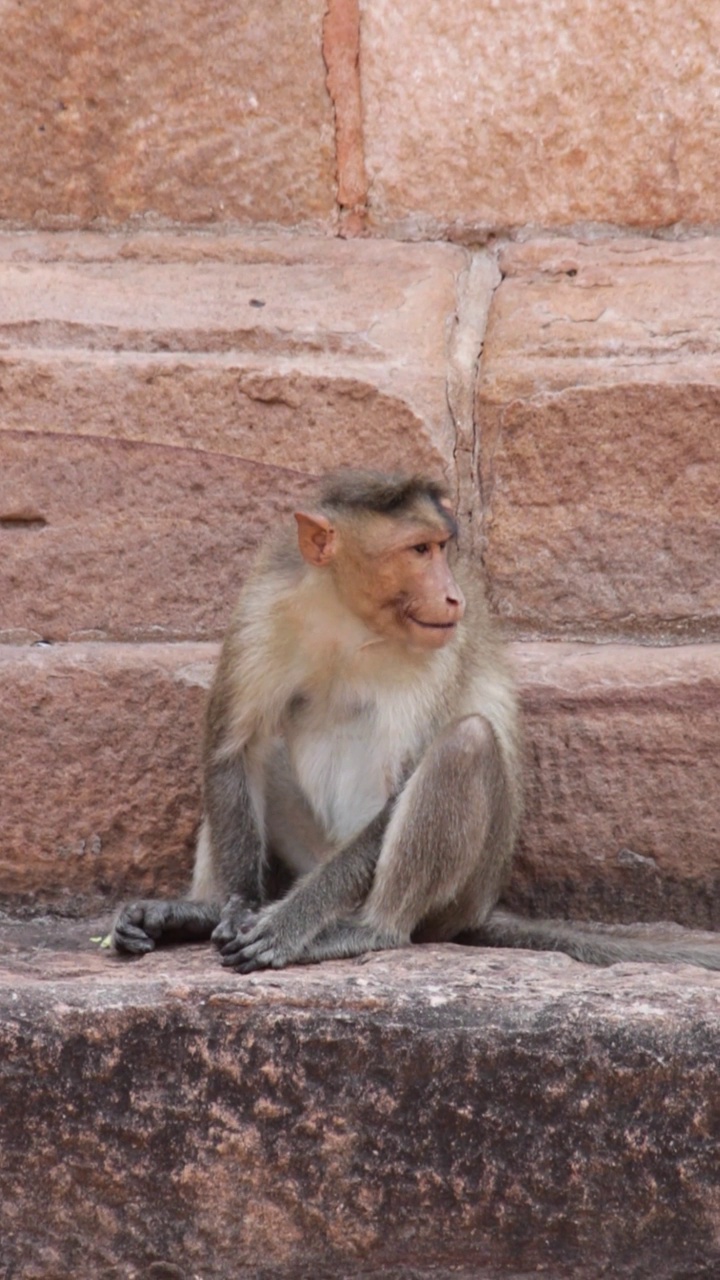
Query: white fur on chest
{"type": "Point", "coordinates": [348, 752]}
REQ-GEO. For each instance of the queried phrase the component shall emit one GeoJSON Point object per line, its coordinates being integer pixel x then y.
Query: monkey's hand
{"type": "Point", "coordinates": [250, 940]}
{"type": "Point", "coordinates": [140, 925]}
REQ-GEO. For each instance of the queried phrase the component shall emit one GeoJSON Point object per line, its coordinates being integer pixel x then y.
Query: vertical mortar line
{"type": "Point", "coordinates": [483, 495]}
{"type": "Point", "coordinates": [341, 54]}
{"type": "Point", "coordinates": [475, 291]}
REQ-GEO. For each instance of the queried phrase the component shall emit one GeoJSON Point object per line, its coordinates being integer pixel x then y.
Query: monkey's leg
{"type": "Point", "coordinates": [440, 869]}
{"type": "Point", "coordinates": [449, 841]}
{"type": "Point", "coordinates": [142, 924]}
{"type": "Point", "coordinates": [348, 938]}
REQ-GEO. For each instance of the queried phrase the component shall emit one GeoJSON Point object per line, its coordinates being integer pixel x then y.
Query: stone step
{"type": "Point", "coordinates": [155, 420]}
{"type": "Point", "coordinates": [434, 1112]}
{"type": "Point", "coordinates": [101, 784]}
{"type": "Point", "coordinates": [597, 408]}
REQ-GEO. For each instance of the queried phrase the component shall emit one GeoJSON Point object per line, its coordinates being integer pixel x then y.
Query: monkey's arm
{"type": "Point", "coordinates": [280, 933]}
{"type": "Point", "coordinates": [228, 858]}
{"type": "Point", "coordinates": [234, 846]}
{"type": "Point", "coordinates": [140, 925]}
{"type": "Point", "coordinates": [228, 861]}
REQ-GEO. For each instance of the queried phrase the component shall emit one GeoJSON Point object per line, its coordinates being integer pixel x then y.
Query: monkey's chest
{"type": "Point", "coordinates": [348, 766]}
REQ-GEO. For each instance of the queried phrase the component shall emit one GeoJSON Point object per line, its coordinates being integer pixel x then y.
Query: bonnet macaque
{"type": "Point", "coordinates": [361, 761]}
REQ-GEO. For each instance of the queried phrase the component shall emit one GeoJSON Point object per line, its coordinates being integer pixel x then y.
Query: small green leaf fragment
{"type": "Point", "coordinates": [106, 942]}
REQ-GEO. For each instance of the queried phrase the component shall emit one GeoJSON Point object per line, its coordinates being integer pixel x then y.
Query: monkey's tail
{"type": "Point", "coordinates": [598, 944]}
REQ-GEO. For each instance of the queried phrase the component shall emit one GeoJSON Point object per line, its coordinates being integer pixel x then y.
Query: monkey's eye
{"type": "Point", "coordinates": [422, 548]}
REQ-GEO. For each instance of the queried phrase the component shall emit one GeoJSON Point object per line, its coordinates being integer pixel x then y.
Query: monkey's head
{"type": "Point", "coordinates": [385, 540]}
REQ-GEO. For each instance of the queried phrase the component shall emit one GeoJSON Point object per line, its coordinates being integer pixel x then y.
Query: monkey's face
{"type": "Point", "coordinates": [397, 579]}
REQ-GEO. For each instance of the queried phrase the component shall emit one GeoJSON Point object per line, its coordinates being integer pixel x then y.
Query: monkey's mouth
{"type": "Point", "coordinates": [433, 626]}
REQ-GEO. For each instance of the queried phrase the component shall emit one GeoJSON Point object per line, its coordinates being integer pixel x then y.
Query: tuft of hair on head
{"type": "Point", "coordinates": [379, 493]}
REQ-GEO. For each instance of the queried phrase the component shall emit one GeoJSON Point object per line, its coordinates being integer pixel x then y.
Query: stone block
{"type": "Point", "coordinates": [432, 1112]}
{"type": "Point", "coordinates": [116, 113]}
{"type": "Point", "coordinates": [100, 777]}
{"type": "Point", "coordinates": [100, 770]}
{"type": "Point", "coordinates": [499, 115]}
{"type": "Point", "coordinates": [596, 409]}
{"type": "Point", "coordinates": [116, 539]}
{"type": "Point", "coordinates": [164, 398]}
{"type": "Point", "coordinates": [623, 776]}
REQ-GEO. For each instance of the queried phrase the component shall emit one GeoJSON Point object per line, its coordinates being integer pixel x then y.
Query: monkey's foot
{"type": "Point", "coordinates": [348, 938]}
{"type": "Point", "coordinates": [259, 939]}
{"type": "Point", "coordinates": [236, 918]}
{"type": "Point", "coordinates": [263, 941]}
{"type": "Point", "coordinates": [141, 925]}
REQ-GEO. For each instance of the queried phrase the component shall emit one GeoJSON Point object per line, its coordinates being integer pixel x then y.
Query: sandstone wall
{"type": "Point", "coordinates": [412, 119]}
{"type": "Point", "coordinates": [202, 306]}
{"type": "Point", "coordinates": [180, 112]}
{"type": "Point", "coordinates": [164, 398]}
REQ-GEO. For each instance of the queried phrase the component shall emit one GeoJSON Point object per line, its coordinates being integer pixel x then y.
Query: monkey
{"type": "Point", "coordinates": [362, 753]}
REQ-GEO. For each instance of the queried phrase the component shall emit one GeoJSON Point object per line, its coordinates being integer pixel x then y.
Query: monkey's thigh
{"type": "Point", "coordinates": [442, 858]}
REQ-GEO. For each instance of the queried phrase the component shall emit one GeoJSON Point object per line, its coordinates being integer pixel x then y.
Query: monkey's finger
{"type": "Point", "coordinates": [228, 930]}
{"type": "Point", "coordinates": [156, 919]}
{"type": "Point", "coordinates": [129, 937]}
{"type": "Point", "coordinates": [221, 934]}
{"type": "Point", "coordinates": [255, 930]}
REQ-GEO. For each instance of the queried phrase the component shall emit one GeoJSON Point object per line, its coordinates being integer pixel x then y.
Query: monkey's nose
{"type": "Point", "coordinates": [456, 601]}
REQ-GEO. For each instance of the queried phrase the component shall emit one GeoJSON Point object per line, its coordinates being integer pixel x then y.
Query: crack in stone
{"type": "Point", "coordinates": [341, 55]}
{"type": "Point", "coordinates": [476, 288]}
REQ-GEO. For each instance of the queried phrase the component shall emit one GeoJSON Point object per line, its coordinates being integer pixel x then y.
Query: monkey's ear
{"type": "Point", "coordinates": [316, 539]}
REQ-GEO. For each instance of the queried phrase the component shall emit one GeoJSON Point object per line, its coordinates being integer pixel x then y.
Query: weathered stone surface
{"type": "Point", "coordinates": [268, 306]}
{"type": "Point", "coordinates": [498, 115]}
{"type": "Point", "coordinates": [111, 538]}
{"type": "Point", "coordinates": [623, 777]}
{"type": "Point", "coordinates": [438, 1111]}
{"type": "Point", "coordinates": [184, 112]}
{"type": "Point", "coordinates": [597, 409]}
{"type": "Point", "coordinates": [100, 773]}
{"type": "Point", "coordinates": [254, 362]}
{"type": "Point", "coordinates": [99, 776]}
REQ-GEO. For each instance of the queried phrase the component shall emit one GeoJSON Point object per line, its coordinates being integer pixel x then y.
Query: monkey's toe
{"type": "Point", "coordinates": [246, 958]}
{"type": "Point", "coordinates": [232, 948]}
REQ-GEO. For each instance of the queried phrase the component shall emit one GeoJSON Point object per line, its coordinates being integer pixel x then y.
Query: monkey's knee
{"type": "Point", "coordinates": [470, 739]}
{"type": "Point", "coordinates": [435, 856]}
